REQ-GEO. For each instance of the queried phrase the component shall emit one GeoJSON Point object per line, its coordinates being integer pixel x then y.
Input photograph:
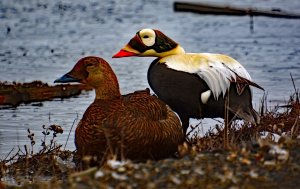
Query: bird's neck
{"type": "Point", "coordinates": [177, 50]}
{"type": "Point", "coordinates": [107, 92]}
{"type": "Point", "coordinates": [108, 88]}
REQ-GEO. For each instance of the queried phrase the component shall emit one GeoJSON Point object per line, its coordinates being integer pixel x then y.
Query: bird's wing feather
{"type": "Point", "coordinates": [217, 70]}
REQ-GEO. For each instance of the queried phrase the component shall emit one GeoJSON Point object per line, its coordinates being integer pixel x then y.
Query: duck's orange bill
{"type": "Point", "coordinates": [123, 53]}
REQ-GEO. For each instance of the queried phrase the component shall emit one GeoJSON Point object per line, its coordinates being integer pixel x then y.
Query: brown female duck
{"type": "Point", "coordinates": [137, 126]}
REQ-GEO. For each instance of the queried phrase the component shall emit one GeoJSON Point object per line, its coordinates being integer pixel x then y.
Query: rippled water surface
{"type": "Point", "coordinates": [42, 40]}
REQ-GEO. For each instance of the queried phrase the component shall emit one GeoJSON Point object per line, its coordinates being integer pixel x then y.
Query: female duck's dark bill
{"type": "Point", "coordinates": [124, 53]}
{"type": "Point", "coordinates": [66, 79]}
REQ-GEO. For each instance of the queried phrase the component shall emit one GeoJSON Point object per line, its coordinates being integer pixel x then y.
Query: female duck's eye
{"type": "Point", "coordinates": [89, 64]}
{"type": "Point", "coordinates": [145, 36]}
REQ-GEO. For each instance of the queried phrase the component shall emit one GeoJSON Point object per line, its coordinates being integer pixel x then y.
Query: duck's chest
{"type": "Point", "coordinates": [161, 78]}
{"type": "Point", "coordinates": [180, 90]}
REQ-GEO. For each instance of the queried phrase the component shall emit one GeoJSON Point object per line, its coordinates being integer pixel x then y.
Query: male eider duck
{"type": "Point", "coordinates": [195, 85]}
{"type": "Point", "coordinates": [137, 126]}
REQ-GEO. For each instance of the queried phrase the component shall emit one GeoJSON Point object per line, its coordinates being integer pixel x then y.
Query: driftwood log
{"type": "Point", "coordinates": [202, 8]}
{"type": "Point", "coordinates": [15, 93]}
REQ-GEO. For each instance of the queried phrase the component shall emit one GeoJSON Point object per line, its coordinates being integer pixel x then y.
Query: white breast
{"type": "Point", "coordinates": [217, 70]}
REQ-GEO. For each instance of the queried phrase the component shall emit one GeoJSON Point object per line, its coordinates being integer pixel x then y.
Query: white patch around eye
{"type": "Point", "coordinates": [148, 37]}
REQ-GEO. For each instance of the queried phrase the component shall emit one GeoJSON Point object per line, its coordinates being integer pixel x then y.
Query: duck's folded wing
{"type": "Point", "coordinates": [142, 104]}
{"type": "Point", "coordinates": [217, 70]}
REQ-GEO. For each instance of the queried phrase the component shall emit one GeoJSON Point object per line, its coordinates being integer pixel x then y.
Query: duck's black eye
{"type": "Point", "coordinates": [89, 64]}
{"type": "Point", "coordinates": [145, 36]}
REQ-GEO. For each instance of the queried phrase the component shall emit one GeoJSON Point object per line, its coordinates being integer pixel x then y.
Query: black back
{"type": "Point", "coordinates": [182, 92]}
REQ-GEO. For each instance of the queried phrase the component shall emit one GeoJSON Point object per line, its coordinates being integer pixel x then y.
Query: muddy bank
{"type": "Point", "coordinates": [16, 93]}
{"type": "Point", "coordinates": [260, 164]}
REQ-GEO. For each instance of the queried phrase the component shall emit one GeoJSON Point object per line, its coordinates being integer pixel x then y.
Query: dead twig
{"type": "Point", "coordinates": [71, 131]}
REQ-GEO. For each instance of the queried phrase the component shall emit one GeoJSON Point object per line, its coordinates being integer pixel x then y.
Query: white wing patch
{"type": "Point", "coordinates": [217, 70]}
{"type": "Point", "coordinates": [205, 96]}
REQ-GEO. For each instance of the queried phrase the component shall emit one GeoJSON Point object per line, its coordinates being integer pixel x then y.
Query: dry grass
{"type": "Point", "coordinates": [26, 166]}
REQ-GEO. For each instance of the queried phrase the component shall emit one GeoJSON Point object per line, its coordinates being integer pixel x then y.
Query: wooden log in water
{"type": "Point", "coordinates": [15, 93]}
{"type": "Point", "coordinates": [202, 8]}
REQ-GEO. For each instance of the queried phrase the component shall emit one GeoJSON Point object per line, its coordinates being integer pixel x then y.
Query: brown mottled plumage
{"type": "Point", "coordinates": [137, 126]}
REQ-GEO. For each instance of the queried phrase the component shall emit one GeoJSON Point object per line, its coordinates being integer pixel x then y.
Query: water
{"type": "Point", "coordinates": [42, 40]}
